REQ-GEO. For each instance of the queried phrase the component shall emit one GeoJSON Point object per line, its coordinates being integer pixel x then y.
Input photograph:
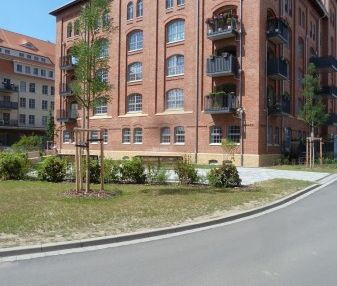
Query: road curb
{"type": "Point", "coordinates": [78, 244]}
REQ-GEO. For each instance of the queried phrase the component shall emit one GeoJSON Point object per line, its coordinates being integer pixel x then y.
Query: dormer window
{"type": "Point", "coordinates": [29, 45]}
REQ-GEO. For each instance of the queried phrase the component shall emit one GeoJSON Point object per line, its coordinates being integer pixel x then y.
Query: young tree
{"type": "Point", "coordinates": [90, 86]}
{"type": "Point", "coordinates": [313, 111]}
{"type": "Point", "coordinates": [50, 129]}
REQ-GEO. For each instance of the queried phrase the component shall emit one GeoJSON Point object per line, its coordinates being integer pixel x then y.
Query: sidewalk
{"type": "Point", "coordinates": [254, 175]}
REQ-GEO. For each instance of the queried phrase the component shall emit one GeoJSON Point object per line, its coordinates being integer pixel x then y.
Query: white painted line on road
{"type": "Point", "coordinates": [166, 236]}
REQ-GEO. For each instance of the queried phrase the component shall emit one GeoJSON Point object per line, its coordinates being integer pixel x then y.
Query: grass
{"type": "Point", "coordinates": [326, 168]}
{"type": "Point", "coordinates": [38, 212]}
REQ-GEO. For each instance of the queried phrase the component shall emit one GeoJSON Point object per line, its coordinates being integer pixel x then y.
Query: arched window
{"type": "Point", "coordinates": [215, 135]}
{"type": "Point", "coordinates": [135, 71]}
{"type": "Point", "coordinates": [138, 136]}
{"type": "Point", "coordinates": [126, 135]}
{"type": "Point", "coordinates": [77, 27]}
{"type": "Point", "coordinates": [106, 19]}
{"type": "Point", "coordinates": [176, 31]}
{"type": "Point", "coordinates": [165, 135]}
{"type": "Point", "coordinates": [102, 74]}
{"type": "Point", "coordinates": [140, 7]}
{"type": "Point", "coordinates": [130, 11]}
{"type": "Point", "coordinates": [175, 99]}
{"type": "Point", "coordinates": [179, 135]}
{"type": "Point", "coordinates": [135, 102]}
{"type": "Point", "coordinates": [104, 48]}
{"type": "Point", "coordinates": [101, 106]}
{"type": "Point", "coordinates": [69, 29]}
{"type": "Point", "coordinates": [135, 41]}
{"type": "Point", "coordinates": [175, 65]}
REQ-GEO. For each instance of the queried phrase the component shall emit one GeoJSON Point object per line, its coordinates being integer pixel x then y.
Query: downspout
{"type": "Point", "coordinates": [196, 151]}
{"type": "Point", "coordinates": [241, 89]}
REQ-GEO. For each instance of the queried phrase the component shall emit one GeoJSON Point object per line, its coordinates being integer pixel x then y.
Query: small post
{"type": "Point", "coordinates": [310, 155]}
{"type": "Point", "coordinates": [321, 151]}
{"type": "Point", "coordinates": [307, 153]}
{"type": "Point", "coordinates": [77, 161]}
{"type": "Point", "coordinates": [102, 160]}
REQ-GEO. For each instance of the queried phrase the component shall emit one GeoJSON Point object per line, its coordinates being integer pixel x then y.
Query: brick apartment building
{"type": "Point", "coordinates": [26, 85]}
{"type": "Point", "coordinates": [188, 73]}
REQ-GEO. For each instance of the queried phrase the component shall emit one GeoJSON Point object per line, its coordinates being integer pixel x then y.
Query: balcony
{"type": "Point", "coordinates": [65, 90]}
{"type": "Point", "coordinates": [277, 69]}
{"type": "Point", "coordinates": [221, 27]}
{"type": "Point", "coordinates": [225, 65]}
{"type": "Point", "coordinates": [8, 123]}
{"type": "Point", "coordinates": [329, 91]}
{"type": "Point", "coordinates": [277, 31]}
{"type": "Point", "coordinates": [7, 86]}
{"type": "Point", "coordinates": [280, 108]}
{"type": "Point", "coordinates": [68, 62]}
{"type": "Point", "coordinates": [332, 119]}
{"type": "Point", "coordinates": [65, 116]}
{"type": "Point", "coordinates": [220, 103]}
{"type": "Point", "coordinates": [325, 64]}
{"type": "Point", "coordinates": [8, 105]}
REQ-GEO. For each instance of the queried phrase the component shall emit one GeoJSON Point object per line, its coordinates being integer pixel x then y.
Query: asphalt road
{"type": "Point", "coordinates": [296, 245]}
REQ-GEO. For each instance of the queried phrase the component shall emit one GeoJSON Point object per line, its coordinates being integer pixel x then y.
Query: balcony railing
{"type": "Point", "coordinates": [225, 65]}
{"type": "Point", "coordinates": [65, 90]}
{"type": "Point", "coordinates": [8, 123]}
{"type": "Point", "coordinates": [277, 69]}
{"type": "Point", "coordinates": [332, 119]}
{"type": "Point", "coordinates": [68, 62]}
{"type": "Point", "coordinates": [221, 27]}
{"type": "Point", "coordinates": [280, 108]}
{"type": "Point", "coordinates": [277, 31]}
{"type": "Point", "coordinates": [325, 64]}
{"type": "Point", "coordinates": [330, 90]}
{"type": "Point", "coordinates": [8, 105]}
{"type": "Point", "coordinates": [66, 116]}
{"type": "Point", "coordinates": [220, 103]}
{"type": "Point", "coordinates": [8, 87]}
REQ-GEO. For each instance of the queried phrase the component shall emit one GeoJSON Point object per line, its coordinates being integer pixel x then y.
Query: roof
{"type": "Point", "coordinates": [27, 44]}
{"type": "Point", "coordinates": [66, 6]}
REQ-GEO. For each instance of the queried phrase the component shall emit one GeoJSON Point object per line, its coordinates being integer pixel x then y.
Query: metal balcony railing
{"type": "Point", "coordinates": [8, 87]}
{"type": "Point", "coordinates": [330, 90]}
{"type": "Point", "coordinates": [68, 62]}
{"type": "Point", "coordinates": [224, 65]}
{"type": "Point", "coordinates": [277, 69]}
{"type": "Point", "coordinates": [278, 31]}
{"type": "Point", "coordinates": [220, 103]}
{"type": "Point", "coordinates": [325, 64]}
{"type": "Point", "coordinates": [66, 115]}
{"type": "Point", "coordinates": [221, 27]}
{"type": "Point", "coordinates": [8, 123]}
{"type": "Point", "coordinates": [65, 90]}
{"type": "Point", "coordinates": [8, 105]}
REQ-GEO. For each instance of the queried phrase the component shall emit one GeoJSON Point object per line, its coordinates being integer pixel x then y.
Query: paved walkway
{"type": "Point", "coordinates": [254, 175]}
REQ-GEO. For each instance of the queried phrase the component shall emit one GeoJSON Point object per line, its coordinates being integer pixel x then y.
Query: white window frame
{"type": "Point", "coordinates": [179, 135]}
{"type": "Point", "coordinates": [138, 135]}
{"type": "Point", "coordinates": [215, 137]}
{"type": "Point", "coordinates": [135, 103]}
{"type": "Point", "coordinates": [126, 136]}
{"type": "Point", "coordinates": [135, 72]}
{"type": "Point", "coordinates": [175, 31]}
{"type": "Point", "coordinates": [135, 41]}
{"type": "Point", "coordinates": [165, 135]}
{"type": "Point", "coordinates": [174, 99]}
{"type": "Point", "coordinates": [175, 65]}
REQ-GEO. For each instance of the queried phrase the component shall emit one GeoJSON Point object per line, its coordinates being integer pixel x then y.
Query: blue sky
{"type": "Point", "coordinates": [30, 17]}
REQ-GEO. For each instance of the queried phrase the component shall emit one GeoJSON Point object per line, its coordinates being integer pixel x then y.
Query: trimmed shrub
{"type": "Point", "coordinates": [155, 174]}
{"type": "Point", "coordinates": [186, 171]}
{"type": "Point", "coordinates": [13, 166]}
{"type": "Point", "coordinates": [133, 171]}
{"type": "Point", "coordinates": [53, 169]}
{"type": "Point", "coordinates": [225, 176]}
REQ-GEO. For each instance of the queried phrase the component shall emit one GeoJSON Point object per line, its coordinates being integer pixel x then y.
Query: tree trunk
{"type": "Point", "coordinates": [87, 157]}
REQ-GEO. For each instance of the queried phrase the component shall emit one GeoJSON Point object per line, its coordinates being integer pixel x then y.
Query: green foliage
{"type": "Point", "coordinates": [50, 129]}
{"type": "Point", "coordinates": [53, 169]}
{"type": "Point", "coordinates": [229, 147]}
{"type": "Point", "coordinates": [186, 171]}
{"type": "Point", "coordinates": [28, 144]}
{"type": "Point", "coordinates": [133, 171]}
{"type": "Point", "coordinates": [225, 176]}
{"type": "Point", "coordinates": [112, 172]}
{"type": "Point", "coordinates": [155, 174]}
{"type": "Point", "coordinates": [13, 166]}
{"type": "Point", "coordinates": [95, 171]}
{"type": "Point", "coordinates": [313, 111]}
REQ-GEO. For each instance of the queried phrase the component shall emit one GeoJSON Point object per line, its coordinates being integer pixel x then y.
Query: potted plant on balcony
{"type": "Point", "coordinates": [211, 25]}
{"type": "Point", "coordinates": [229, 22]}
{"type": "Point", "coordinates": [221, 23]}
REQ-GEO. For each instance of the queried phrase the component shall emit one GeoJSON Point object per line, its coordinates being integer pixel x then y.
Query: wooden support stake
{"type": "Point", "coordinates": [321, 151]}
{"type": "Point", "coordinates": [102, 160]}
{"type": "Point", "coordinates": [307, 153]}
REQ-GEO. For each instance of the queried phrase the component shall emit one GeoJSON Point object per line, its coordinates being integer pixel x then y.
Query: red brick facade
{"type": "Point", "coordinates": [258, 93]}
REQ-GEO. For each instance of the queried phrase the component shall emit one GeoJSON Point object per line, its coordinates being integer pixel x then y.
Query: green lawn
{"type": "Point", "coordinates": [38, 212]}
{"type": "Point", "coordinates": [327, 168]}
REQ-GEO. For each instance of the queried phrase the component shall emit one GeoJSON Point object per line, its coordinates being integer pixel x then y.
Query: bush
{"type": "Point", "coordinates": [133, 171]}
{"type": "Point", "coordinates": [155, 174]}
{"type": "Point", "coordinates": [186, 171]}
{"type": "Point", "coordinates": [13, 166]}
{"type": "Point", "coordinates": [112, 171]}
{"type": "Point", "coordinates": [94, 171]}
{"type": "Point", "coordinates": [28, 144]}
{"type": "Point", "coordinates": [225, 176]}
{"type": "Point", "coordinates": [53, 169]}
